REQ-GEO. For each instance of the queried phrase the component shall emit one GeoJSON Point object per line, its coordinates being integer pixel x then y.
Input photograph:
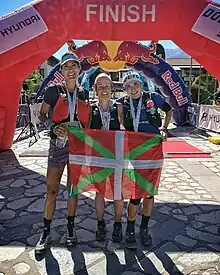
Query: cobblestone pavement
{"type": "Point", "coordinates": [184, 224]}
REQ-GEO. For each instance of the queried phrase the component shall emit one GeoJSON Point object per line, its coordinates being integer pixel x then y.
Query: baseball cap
{"type": "Point", "coordinates": [69, 57]}
{"type": "Point", "coordinates": [131, 76]}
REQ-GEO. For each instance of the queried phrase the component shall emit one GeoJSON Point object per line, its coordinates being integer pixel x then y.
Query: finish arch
{"type": "Point", "coordinates": [32, 34]}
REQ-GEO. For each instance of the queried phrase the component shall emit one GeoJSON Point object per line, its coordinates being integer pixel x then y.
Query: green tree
{"type": "Point", "coordinates": [31, 83]}
{"type": "Point", "coordinates": [204, 89]}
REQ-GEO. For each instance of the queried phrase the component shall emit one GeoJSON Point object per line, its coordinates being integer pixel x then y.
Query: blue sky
{"type": "Point", "coordinates": [10, 5]}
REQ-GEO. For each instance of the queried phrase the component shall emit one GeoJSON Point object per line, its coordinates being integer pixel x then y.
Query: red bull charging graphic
{"type": "Point", "coordinates": [111, 55]}
{"type": "Point", "coordinates": [131, 52]}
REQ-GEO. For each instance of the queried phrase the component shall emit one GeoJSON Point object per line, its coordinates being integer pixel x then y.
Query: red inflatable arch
{"type": "Point", "coordinates": [44, 26]}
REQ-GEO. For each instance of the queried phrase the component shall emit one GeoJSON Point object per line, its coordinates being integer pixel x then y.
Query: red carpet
{"type": "Point", "coordinates": [182, 149]}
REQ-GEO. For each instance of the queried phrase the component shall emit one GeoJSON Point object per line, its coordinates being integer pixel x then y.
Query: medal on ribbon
{"type": "Point", "coordinates": [136, 118]}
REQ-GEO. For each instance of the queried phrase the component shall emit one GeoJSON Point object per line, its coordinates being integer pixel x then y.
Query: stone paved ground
{"type": "Point", "coordinates": [184, 225]}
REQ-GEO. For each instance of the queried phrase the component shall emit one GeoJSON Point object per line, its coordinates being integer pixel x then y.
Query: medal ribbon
{"type": "Point", "coordinates": [136, 118]}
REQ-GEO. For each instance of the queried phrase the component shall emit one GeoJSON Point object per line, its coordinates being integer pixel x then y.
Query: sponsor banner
{"type": "Point", "coordinates": [209, 118]}
{"type": "Point", "coordinates": [34, 113]}
{"type": "Point", "coordinates": [176, 87]}
{"type": "Point", "coordinates": [193, 114]}
{"type": "Point", "coordinates": [208, 23]}
{"type": "Point", "coordinates": [19, 27]}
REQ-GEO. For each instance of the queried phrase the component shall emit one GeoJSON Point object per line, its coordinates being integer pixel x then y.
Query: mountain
{"type": "Point", "coordinates": [176, 53]}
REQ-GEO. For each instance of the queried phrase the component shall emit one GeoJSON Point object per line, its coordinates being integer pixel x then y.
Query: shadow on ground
{"type": "Point", "coordinates": [176, 228]}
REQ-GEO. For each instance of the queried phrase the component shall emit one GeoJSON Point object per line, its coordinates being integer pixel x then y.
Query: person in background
{"type": "Point", "coordinates": [140, 112]}
{"type": "Point", "coordinates": [107, 115]}
{"type": "Point", "coordinates": [217, 100]}
{"type": "Point", "coordinates": [64, 101]}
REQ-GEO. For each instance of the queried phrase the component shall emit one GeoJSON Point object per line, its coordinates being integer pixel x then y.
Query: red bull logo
{"type": "Point", "coordinates": [94, 52]}
{"type": "Point", "coordinates": [113, 55]}
{"type": "Point", "coordinates": [58, 78]}
{"type": "Point", "coordinates": [175, 87]}
{"type": "Point", "coordinates": [131, 51]}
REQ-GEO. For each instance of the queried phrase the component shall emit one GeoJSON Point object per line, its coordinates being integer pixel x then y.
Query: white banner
{"type": "Point", "coordinates": [19, 27]}
{"type": "Point", "coordinates": [35, 112]}
{"type": "Point", "coordinates": [208, 23]}
{"type": "Point", "coordinates": [209, 118]}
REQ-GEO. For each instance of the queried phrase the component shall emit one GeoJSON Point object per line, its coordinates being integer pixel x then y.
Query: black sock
{"type": "Point", "coordinates": [47, 224]}
{"type": "Point", "coordinates": [130, 226]}
{"type": "Point", "coordinates": [117, 224]}
{"type": "Point", "coordinates": [101, 223]}
{"type": "Point", "coordinates": [71, 220]}
{"type": "Point", "coordinates": [145, 221]}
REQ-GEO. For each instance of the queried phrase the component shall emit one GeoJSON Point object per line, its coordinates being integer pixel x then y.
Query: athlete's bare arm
{"type": "Point", "coordinates": [120, 113]}
{"type": "Point", "coordinates": [166, 108]}
{"type": "Point", "coordinates": [44, 112]}
{"type": "Point", "coordinates": [90, 118]}
{"type": "Point", "coordinates": [167, 118]}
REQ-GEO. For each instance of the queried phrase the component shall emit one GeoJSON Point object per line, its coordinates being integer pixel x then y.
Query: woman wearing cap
{"type": "Point", "coordinates": [140, 111]}
{"type": "Point", "coordinates": [107, 115]}
{"type": "Point", "coordinates": [66, 102]}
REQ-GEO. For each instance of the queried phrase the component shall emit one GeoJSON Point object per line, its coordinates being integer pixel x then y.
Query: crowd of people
{"type": "Point", "coordinates": [137, 111]}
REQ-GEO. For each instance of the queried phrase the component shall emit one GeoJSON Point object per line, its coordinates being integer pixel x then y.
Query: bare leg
{"type": "Point", "coordinates": [53, 183]}
{"type": "Point", "coordinates": [117, 230]}
{"type": "Point", "coordinates": [146, 214]}
{"type": "Point", "coordinates": [130, 240]}
{"type": "Point", "coordinates": [147, 206]}
{"type": "Point", "coordinates": [118, 210]}
{"type": "Point", "coordinates": [100, 207]}
{"type": "Point", "coordinates": [132, 211]}
{"type": "Point", "coordinates": [72, 202]}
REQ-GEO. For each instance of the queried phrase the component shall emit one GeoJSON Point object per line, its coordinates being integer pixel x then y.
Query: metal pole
{"type": "Point", "coordinates": [190, 75]}
{"type": "Point", "coordinates": [215, 92]}
{"type": "Point", "coordinates": [207, 82]}
{"type": "Point", "coordinates": [200, 70]}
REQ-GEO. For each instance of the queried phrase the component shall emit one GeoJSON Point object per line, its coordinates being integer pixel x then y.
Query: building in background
{"type": "Point", "coordinates": [117, 78]}
{"type": "Point", "coordinates": [48, 65]}
{"type": "Point", "coordinates": [186, 68]}
{"type": "Point", "coordinates": [182, 67]}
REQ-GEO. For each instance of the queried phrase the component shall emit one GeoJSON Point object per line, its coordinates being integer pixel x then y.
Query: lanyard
{"type": "Point", "coordinates": [71, 101]}
{"type": "Point", "coordinates": [105, 117]}
{"type": "Point", "coordinates": [72, 105]}
{"type": "Point", "coordinates": [136, 118]}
